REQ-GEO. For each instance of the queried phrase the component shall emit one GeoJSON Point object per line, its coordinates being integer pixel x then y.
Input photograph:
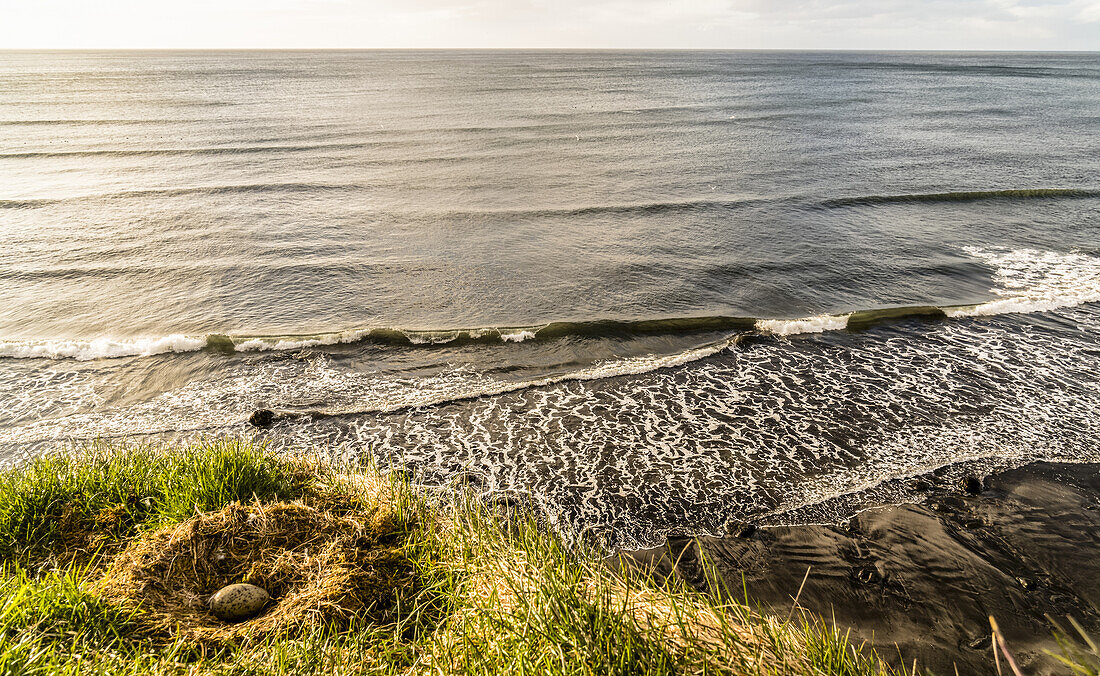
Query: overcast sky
{"type": "Point", "coordinates": [724, 24]}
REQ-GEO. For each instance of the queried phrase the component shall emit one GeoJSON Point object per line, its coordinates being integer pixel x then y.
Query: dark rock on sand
{"type": "Point", "coordinates": [940, 506]}
{"type": "Point", "coordinates": [867, 575]}
{"type": "Point", "coordinates": [739, 529]}
{"type": "Point", "coordinates": [981, 643]}
{"type": "Point", "coordinates": [468, 480]}
{"type": "Point", "coordinates": [506, 501]}
{"type": "Point", "coordinates": [261, 417]}
{"type": "Point", "coordinates": [971, 484]}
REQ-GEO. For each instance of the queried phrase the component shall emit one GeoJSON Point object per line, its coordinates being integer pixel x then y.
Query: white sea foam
{"type": "Point", "coordinates": [815, 324]}
{"type": "Point", "coordinates": [637, 365]}
{"type": "Point", "coordinates": [276, 344]}
{"type": "Point", "coordinates": [394, 395]}
{"type": "Point", "coordinates": [206, 407]}
{"type": "Point", "coordinates": [1036, 281]}
{"type": "Point", "coordinates": [517, 336]}
{"type": "Point", "coordinates": [433, 338]}
{"type": "Point", "coordinates": [99, 348]}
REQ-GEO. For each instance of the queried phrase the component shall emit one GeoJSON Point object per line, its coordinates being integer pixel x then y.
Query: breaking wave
{"type": "Point", "coordinates": [1035, 281]}
{"type": "Point", "coordinates": [99, 348]}
{"type": "Point", "coordinates": [1026, 281]}
{"type": "Point", "coordinates": [818, 324]}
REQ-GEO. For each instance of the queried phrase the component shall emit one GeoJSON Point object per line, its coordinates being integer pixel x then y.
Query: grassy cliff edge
{"type": "Point", "coordinates": [110, 555]}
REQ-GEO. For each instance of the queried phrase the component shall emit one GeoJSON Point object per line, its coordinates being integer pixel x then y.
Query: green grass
{"type": "Point", "coordinates": [525, 600]}
{"type": "Point", "coordinates": [493, 595]}
{"type": "Point", "coordinates": [1078, 652]}
{"type": "Point", "coordinates": [67, 503]}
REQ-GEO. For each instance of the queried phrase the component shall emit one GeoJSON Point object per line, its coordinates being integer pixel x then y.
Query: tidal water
{"type": "Point", "coordinates": [649, 292]}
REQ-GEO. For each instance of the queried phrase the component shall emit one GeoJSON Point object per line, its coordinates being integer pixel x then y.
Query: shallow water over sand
{"type": "Point", "coordinates": [650, 292]}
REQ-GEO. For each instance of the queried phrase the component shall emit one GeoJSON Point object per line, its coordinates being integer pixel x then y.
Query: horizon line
{"type": "Point", "coordinates": [548, 49]}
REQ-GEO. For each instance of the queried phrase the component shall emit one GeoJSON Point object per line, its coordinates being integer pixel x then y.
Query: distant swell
{"type": "Point", "coordinates": [969, 196]}
{"type": "Point", "coordinates": [175, 192]}
{"type": "Point", "coordinates": [84, 121]}
{"type": "Point", "coordinates": [657, 207]}
{"type": "Point", "coordinates": [213, 150]}
{"type": "Point", "coordinates": [668, 206]}
{"type": "Point", "coordinates": [630, 208]}
{"type": "Point", "coordinates": [1027, 281]}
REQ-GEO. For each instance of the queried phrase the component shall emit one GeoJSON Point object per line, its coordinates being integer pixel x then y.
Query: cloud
{"type": "Point", "coordinates": [791, 24]}
{"type": "Point", "coordinates": [1088, 12]}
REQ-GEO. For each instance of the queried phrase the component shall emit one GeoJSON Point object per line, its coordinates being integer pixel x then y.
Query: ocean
{"type": "Point", "coordinates": [650, 293]}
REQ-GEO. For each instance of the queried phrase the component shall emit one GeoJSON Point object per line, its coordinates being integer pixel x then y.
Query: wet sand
{"type": "Point", "coordinates": [921, 581]}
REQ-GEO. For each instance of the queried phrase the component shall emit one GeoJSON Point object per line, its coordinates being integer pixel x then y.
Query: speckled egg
{"type": "Point", "coordinates": [238, 602]}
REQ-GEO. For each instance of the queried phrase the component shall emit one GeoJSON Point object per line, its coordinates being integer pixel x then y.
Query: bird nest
{"type": "Point", "coordinates": [322, 564]}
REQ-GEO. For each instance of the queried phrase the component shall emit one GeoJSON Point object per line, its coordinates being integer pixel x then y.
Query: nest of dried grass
{"type": "Point", "coordinates": [322, 565]}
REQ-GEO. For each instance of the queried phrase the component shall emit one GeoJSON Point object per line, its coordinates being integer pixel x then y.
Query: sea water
{"type": "Point", "coordinates": [648, 292]}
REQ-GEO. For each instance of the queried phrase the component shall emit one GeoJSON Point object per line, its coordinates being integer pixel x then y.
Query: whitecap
{"type": "Point", "coordinates": [99, 348]}
{"type": "Point", "coordinates": [1035, 281]}
{"type": "Point", "coordinates": [815, 324]}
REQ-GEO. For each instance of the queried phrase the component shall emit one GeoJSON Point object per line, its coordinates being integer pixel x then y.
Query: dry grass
{"type": "Point", "coordinates": [324, 561]}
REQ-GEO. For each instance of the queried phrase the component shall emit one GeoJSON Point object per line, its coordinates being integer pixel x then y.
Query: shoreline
{"type": "Point", "coordinates": [926, 577]}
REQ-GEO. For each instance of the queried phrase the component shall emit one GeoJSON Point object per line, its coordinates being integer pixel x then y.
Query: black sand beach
{"type": "Point", "coordinates": [927, 577]}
